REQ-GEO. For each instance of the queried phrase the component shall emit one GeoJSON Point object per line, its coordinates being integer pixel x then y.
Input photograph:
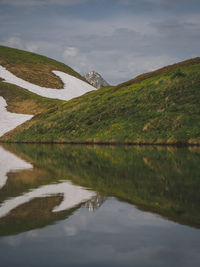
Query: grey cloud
{"type": "Point", "coordinates": [177, 27]}
{"type": "Point", "coordinates": [179, 35]}
{"type": "Point", "coordinates": [119, 47]}
{"type": "Point", "coordinates": [121, 39]}
{"type": "Point", "coordinates": [42, 2]}
{"type": "Point", "coordinates": [119, 56]}
{"type": "Point", "coordinates": [156, 2]}
{"type": "Point", "coordinates": [163, 4]}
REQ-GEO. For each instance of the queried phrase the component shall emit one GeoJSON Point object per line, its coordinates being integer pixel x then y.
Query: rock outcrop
{"type": "Point", "coordinates": [96, 80]}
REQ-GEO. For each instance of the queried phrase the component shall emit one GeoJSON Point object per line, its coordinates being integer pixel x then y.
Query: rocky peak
{"type": "Point", "coordinates": [96, 80]}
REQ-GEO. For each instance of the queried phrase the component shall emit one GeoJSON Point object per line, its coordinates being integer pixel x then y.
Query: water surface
{"type": "Point", "coordinates": [66, 205]}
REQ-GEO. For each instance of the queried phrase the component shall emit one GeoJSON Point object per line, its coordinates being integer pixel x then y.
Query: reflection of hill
{"type": "Point", "coordinates": [162, 180]}
{"type": "Point", "coordinates": [73, 195]}
{"type": "Point", "coordinates": [35, 214]}
{"type": "Point", "coordinates": [9, 162]}
{"type": "Point", "coordinates": [34, 198]}
{"type": "Point", "coordinates": [20, 182]}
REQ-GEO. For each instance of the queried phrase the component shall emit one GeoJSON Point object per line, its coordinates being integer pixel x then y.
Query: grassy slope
{"type": "Point", "coordinates": [160, 107]}
{"type": "Point", "coordinates": [34, 68]}
{"type": "Point", "coordinates": [22, 101]}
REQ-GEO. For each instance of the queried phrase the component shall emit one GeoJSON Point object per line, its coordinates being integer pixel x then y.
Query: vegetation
{"type": "Point", "coordinates": [161, 109]}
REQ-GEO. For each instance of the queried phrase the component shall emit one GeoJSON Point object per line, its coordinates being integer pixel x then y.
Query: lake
{"type": "Point", "coordinates": [64, 205]}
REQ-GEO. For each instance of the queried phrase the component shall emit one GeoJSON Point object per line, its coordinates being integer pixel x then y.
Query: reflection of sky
{"type": "Point", "coordinates": [118, 38]}
{"type": "Point", "coordinates": [117, 234]}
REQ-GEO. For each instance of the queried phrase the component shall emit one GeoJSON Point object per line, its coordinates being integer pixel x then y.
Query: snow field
{"type": "Point", "coordinates": [8, 120]}
{"type": "Point", "coordinates": [73, 87]}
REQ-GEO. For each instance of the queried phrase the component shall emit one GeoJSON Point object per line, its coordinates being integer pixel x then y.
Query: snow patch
{"type": "Point", "coordinates": [8, 120]}
{"type": "Point", "coordinates": [73, 87]}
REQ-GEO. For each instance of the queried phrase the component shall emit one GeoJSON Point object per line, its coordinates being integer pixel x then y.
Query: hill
{"type": "Point", "coordinates": [34, 68]}
{"type": "Point", "coordinates": [24, 81]}
{"type": "Point", "coordinates": [160, 107]}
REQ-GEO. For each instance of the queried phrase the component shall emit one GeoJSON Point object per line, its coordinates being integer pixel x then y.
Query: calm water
{"type": "Point", "coordinates": [99, 206]}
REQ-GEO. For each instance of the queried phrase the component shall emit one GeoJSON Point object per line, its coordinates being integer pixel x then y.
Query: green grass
{"type": "Point", "coordinates": [21, 101]}
{"type": "Point", "coordinates": [163, 108]}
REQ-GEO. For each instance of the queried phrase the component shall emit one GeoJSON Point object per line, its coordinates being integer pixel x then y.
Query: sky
{"type": "Point", "coordinates": [120, 39]}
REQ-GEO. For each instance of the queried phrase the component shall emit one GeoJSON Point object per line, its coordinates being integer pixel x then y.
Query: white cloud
{"type": "Point", "coordinates": [77, 60]}
{"type": "Point", "coordinates": [70, 230]}
{"type": "Point", "coordinates": [13, 41]}
{"type": "Point", "coordinates": [13, 241]}
{"type": "Point", "coordinates": [17, 42]}
{"type": "Point", "coordinates": [32, 47]}
{"type": "Point", "coordinates": [70, 52]}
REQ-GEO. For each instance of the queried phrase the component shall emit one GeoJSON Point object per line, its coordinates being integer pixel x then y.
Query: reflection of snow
{"type": "Point", "coordinates": [73, 87]}
{"type": "Point", "coordinates": [72, 196]}
{"type": "Point", "coordinates": [9, 121]}
{"type": "Point", "coordinates": [9, 162]}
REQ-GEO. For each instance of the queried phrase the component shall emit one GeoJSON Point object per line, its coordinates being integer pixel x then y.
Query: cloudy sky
{"type": "Point", "coordinates": [118, 38]}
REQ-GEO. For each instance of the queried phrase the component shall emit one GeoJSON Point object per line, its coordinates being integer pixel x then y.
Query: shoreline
{"type": "Point", "coordinates": [105, 143]}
